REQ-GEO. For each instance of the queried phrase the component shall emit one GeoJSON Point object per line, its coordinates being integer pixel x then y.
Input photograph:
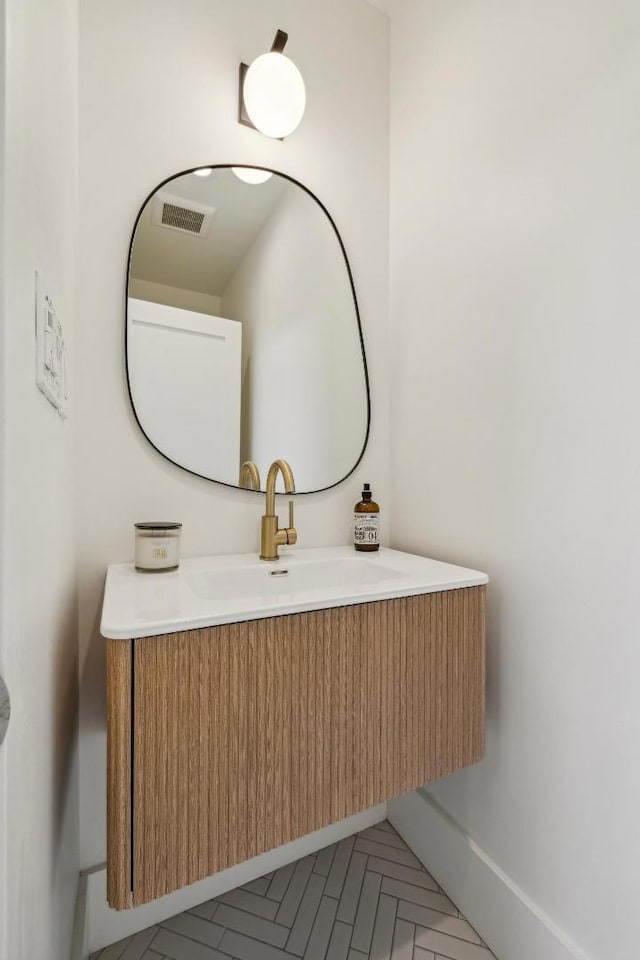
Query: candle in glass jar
{"type": "Point", "coordinates": [157, 546]}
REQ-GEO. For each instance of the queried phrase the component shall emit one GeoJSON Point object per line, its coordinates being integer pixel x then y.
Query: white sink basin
{"type": "Point", "coordinates": [209, 591]}
{"type": "Point", "coordinates": [288, 578]}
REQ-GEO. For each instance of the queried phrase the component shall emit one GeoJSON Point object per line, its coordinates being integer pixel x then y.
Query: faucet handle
{"type": "Point", "coordinates": [292, 534]}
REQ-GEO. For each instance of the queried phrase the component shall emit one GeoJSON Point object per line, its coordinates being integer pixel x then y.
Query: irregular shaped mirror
{"type": "Point", "coordinates": [243, 335]}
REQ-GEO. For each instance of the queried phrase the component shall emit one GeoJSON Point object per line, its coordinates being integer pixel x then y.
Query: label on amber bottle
{"type": "Point", "coordinates": [366, 528]}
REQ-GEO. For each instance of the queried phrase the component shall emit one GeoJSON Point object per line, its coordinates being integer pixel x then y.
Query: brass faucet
{"type": "Point", "coordinates": [272, 535]}
{"type": "Point", "coordinates": [249, 476]}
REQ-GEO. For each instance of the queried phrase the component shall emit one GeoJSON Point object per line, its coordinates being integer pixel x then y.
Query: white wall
{"type": "Point", "coordinates": [157, 114]}
{"type": "Point", "coordinates": [515, 291]}
{"type": "Point", "coordinates": [304, 389]}
{"type": "Point", "coordinates": [38, 645]}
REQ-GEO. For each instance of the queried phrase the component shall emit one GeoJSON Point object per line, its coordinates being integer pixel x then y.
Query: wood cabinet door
{"type": "Point", "coordinates": [233, 740]}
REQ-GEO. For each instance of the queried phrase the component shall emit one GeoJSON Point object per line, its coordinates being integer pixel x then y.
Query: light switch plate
{"type": "Point", "coordinates": [51, 372]}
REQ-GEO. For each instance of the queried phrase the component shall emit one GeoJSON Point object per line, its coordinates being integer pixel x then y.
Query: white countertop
{"type": "Point", "coordinates": [208, 591]}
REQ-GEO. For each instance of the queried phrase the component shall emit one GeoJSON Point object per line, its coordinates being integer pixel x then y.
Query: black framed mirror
{"type": "Point", "coordinates": [243, 334]}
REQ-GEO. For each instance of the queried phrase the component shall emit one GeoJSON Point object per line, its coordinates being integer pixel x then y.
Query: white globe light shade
{"type": "Point", "coordinates": [203, 172]}
{"type": "Point", "coordinates": [274, 95]}
{"type": "Point", "coordinates": [251, 175]}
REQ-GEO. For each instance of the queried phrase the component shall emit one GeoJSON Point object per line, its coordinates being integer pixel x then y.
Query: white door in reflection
{"type": "Point", "coordinates": [185, 382]}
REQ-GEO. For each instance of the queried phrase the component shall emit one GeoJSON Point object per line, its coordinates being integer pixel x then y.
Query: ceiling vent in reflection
{"type": "Point", "coordinates": [178, 213]}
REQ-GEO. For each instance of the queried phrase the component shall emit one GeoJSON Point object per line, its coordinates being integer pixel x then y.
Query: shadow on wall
{"type": "Point", "coordinates": [65, 720]}
{"type": "Point", "coordinates": [63, 746]}
{"type": "Point", "coordinates": [92, 679]}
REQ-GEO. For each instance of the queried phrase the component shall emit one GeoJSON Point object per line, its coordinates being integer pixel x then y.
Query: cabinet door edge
{"type": "Point", "coordinates": [119, 772]}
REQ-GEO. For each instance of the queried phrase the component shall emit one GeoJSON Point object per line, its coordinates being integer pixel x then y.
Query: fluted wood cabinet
{"type": "Point", "coordinates": [232, 740]}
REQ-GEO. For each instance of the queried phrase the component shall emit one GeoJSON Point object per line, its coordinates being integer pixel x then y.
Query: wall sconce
{"type": "Point", "coordinates": [252, 175]}
{"type": "Point", "coordinates": [272, 92]}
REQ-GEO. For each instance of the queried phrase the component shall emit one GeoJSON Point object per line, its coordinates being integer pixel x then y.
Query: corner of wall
{"type": "Point", "coordinates": [510, 922]}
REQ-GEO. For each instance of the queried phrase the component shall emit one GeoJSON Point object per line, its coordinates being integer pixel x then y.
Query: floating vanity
{"type": "Point", "coordinates": [250, 704]}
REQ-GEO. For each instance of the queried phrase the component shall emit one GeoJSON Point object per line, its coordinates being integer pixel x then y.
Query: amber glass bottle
{"type": "Point", "coordinates": [366, 523]}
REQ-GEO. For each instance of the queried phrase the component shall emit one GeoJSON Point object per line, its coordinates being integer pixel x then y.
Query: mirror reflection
{"type": "Point", "coordinates": [243, 335]}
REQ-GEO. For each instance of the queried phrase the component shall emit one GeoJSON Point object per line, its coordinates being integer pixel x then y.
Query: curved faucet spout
{"type": "Point", "coordinates": [278, 466]}
{"type": "Point", "coordinates": [249, 476]}
{"type": "Point", "coordinates": [272, 536]}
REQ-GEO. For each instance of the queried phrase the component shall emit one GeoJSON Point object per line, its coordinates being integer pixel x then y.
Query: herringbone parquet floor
{"type": "Point", "coordinates": [365, 898]}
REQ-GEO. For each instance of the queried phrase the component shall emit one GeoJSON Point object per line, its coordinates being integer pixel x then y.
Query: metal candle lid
{"type": "Point", "coordinates": [158, 526]}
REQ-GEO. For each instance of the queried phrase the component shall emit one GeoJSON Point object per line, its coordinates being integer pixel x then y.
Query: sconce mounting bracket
{"type": "Point", "coordinates": [279, 42]}
{"type": "Point", "coordinates": [243, 116]}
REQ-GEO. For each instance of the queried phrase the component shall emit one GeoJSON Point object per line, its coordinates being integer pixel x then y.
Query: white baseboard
{"type": "Point", "coordinates": [104, 925]}
{"type": "Point", "coordinates": [79, 919]}
{"type": "Point", "coordinates": [512, 925]}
